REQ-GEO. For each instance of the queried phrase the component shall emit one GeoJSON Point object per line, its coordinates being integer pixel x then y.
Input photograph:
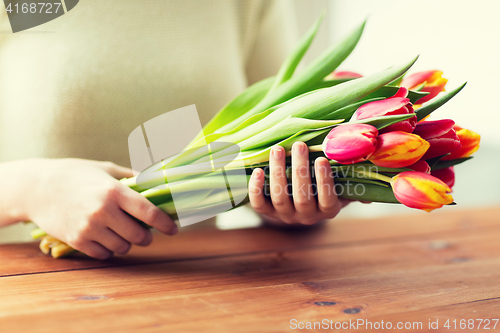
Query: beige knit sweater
{"type": "Point", "coordinates": [78, 85]}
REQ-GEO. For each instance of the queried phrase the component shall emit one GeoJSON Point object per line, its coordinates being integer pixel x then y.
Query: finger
{"type": "Point", "coordinates": [111, 241]}
{"type": "Point", "coordinates": [278, 183]}
{"type": "Point", "coordinates": [256, 193]}
{"type": "Point", "coordinates": [128, 229]}
{"type": "Point", "coordinates": [328, 202]}
{"type": "Point", "coordinates": [303, 198]}
{"type": "Point", "coordinates": [93, 249]}
{"type": "Point", "coordinates": [141, 208]}
{"type": "Point", "coordinates": [118, 171]}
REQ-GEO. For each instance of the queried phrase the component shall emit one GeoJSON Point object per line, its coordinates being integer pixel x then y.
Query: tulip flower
{"type": "Point", "coordinates": [398, 149]}
{"type": "Point", "coordinates": [440, 134]}
{"type": "Point", "coordinates": [447, 175]}
{"type": "Point", "coordinates": [343, 75]}
{"type": "Point", "coordinates": [397, 104]}
{"type": "Point", "coordinates": [433, 82]}
{"type": "Point", "coordinates": [421, 166]}
{"type": "Point", "coordinates": [350, 143]}
{"type": "Point", "coordinates": [419, 190]}
{"type": "Point", "coordinates": [470, 143]}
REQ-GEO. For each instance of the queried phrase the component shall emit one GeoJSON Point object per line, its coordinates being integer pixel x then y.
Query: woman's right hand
{"type": "Point", "coordinates": [82, 203]}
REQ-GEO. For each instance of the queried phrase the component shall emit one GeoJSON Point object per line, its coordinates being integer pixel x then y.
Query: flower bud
{"type": "Point", "coordinates": [433, 82]}
{"type": "Point", "coordinates": [350, 143]}
{"type": "Point", "coordinates": [469, 141]}
{"type": "Point", "coordinates": [398, 149]}
{"type": "Point", "coordinates": [446, 175]}
{"type": "Point", "coordinates": [397, 104]}
{"type": "Point", "coordinates": [441, 136]}
{"type": "Point", "coordinates": [419, 190]}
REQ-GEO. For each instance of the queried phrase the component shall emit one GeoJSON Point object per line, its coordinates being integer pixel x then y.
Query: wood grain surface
{"type": "Point", "coordinates": [422, 268]}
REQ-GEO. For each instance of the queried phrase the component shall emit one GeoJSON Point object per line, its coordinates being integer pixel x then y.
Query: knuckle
{"type": "Point", "coordinates": [123, 248]}
{"type": "Point", "coordinates": [301, 202]}
{"type": "Point", "coordinates": [111, 190]}
{"type": "Point", "coordinates": [330, 211]}
{"type": "Point", "coordinates": [77, 242]}
{"type": "Point", "coordinates": [139, 237]}
{"type": "Point", "coordinates": [101, 255]}
{"type": "Point", "coordinates": [152, 214]}
{"type": "Point", "coordinates": [279, 203]}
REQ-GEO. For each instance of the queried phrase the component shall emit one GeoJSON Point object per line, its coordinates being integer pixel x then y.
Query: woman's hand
{"type": "Point", "coordinates": [82, 203]}
{"type": "Point", "coordinates": [302, 207]}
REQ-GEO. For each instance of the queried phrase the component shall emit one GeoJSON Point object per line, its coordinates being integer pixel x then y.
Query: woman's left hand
{"type": "Point", "coordinates": [302, 207]}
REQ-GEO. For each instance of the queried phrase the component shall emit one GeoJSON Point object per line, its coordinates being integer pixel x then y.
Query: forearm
{"type": "Point", "coordinates": [17, 179]}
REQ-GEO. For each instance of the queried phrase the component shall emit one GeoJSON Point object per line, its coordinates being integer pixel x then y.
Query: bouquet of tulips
{"type": "Point", "coordinates": [372, 128]}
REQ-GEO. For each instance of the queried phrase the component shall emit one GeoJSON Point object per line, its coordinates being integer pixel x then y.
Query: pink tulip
{"type": "Point", "coordinates": [433, 82]}
{"type": "Point", "coordinates": [441, 136]}
{"type": "Point", "coordinates": [397, 104]}
{"type": "Point", "coordinates": [446, 175]}
{"type": "Point", "coordinates": [350, 143]}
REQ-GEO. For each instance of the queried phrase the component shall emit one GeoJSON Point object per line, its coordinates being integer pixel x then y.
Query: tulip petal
{"type": "Point", "coordinates": [419, 190]}
{"type": "Point", "coordinates": [398, 149]}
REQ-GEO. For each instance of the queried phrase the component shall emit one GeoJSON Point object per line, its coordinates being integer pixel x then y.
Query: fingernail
{"type": "Point", "coordinates": [174, 231]}
{"type": "Point", "coordinates": [277, 152]}
{"type": "Point", "coordinates": [256, 173]}
{"type": "Point", "coordinates": [299, 148]}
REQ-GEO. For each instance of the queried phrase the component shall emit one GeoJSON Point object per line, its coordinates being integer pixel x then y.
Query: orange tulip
{"type": "Point", "coordinates": [433, 80]}
{"type": "Point", "coordinates": [398, 149]}
{"type": "Point", "coordinates": [469, 141]}
{"type": "Point", "coordinates": [419, 190]}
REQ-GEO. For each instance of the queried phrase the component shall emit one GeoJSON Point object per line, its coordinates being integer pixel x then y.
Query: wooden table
{"type": "Point", "coordinates": [438, 266]}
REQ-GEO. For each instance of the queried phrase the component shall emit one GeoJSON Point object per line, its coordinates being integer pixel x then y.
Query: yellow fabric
{"type": "Point", "coordinates": [78, 85]}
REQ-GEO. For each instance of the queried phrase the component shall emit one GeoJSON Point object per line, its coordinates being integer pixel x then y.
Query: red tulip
{"type": "Point", "coordinates": [441, 136]}
{"type": "Point", "coordinates": [421, 166]}
{"type": "Point", "coordinates": [397, 104]}
{"type": "Point", "coordinates": [433, 82]}
{"type": "Point", "coordinates": [398, 149]}
{"type": "Point", "coordinates": [343, 75]}
{"type": "Point", "coordinates": [447, 175]}
{"type": "Point", "coordinates": [470, 143]}
{"type": "Point", "coordinates": [419, 190]}
{"type": "Point", "coordinates": [350, 143]}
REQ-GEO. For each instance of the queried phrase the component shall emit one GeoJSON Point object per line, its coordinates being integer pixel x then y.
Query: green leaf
{"type": "Point", "coordinates": [389, 91]}
{"type": "Point", "coordinates": [293, 59]}
{"type": "Point", "coordinates": [384, 121]}
{"type": "Point", "coordinates": [314, 73]}
{"type": "Point", "coordinates": [329, 83]}
{"type": "Point", "coordinates": [319, 103]}
{"type": "Point", "coordinates": [283, 130]}
{"type": "Point", "coordinates": [347, 111]}
{"type": "Point", "coordinates": [365, 192]}
{"type": "Point", "coordinates": [262, 155]}
{"type": "Point", "coordinates": [449, 163]}
{"type": "Point", "coordinates": [238, 106]}
{"type": "Point", "coordinates": [437, 102]}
